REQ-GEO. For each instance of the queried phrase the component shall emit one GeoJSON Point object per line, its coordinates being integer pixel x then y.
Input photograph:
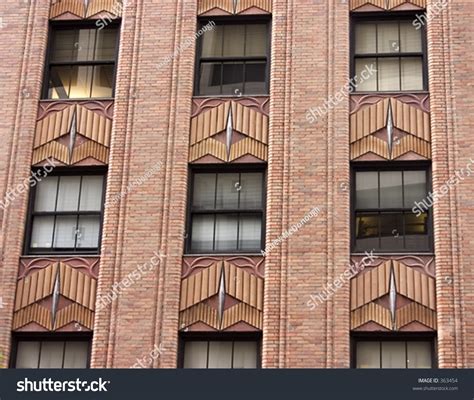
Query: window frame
{"type": "Point", "coordinates": [376, 166]}
{"type": "Point", "coordinates": [390, 337]}
{"type": "Point", "coordinates": [242, 168]}
{"type": "Point", "coordinates": [219, 337]}
{"type": "Point", "coordinates": [233, 21]}
{"type": "Point", "coordinates": [28, 250]}
{"type": "Point", "coordinates": [368, 17]}
{"type": "Point", "coordinates": [47, 337]}
{"type": "Point", "coordinates": [68, 25]}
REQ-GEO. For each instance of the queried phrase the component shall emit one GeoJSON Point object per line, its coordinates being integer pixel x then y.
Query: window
{"type": "Point", "coordinates": [233, 60]}
{"type": "Point", "coordinates": [384, 217]}
{"type": "Point", "coordinates": [394, 354]}
{"type": "Point", "coordinates": [395, 49]}
{"type": "Point", "coordinates": [81, 63]}
{"type": "Point", "coordinates": [227, 212]}
{"type": "Point", "coordinates": [220, 354]}
{"type": "Point", "coordinates": [66, 214]}
{"type": "Point", "coordinates": [52, 354]}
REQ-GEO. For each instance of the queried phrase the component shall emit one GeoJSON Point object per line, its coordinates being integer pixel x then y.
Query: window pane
{"type": "Point", "coordinates": [84, 47]}
{"type": "Point", "coordinates": [226, 232]}
{"type": "Point", "coordinates": [45, 196]}
{"type": "Point", "coordinates": [195, 354]}
{"type": "Point", "coordinates": [234, 36]}
{"type": "Point", "coordinates": [391, 231]}
{"type": "Point", "coordinates": [81, 82]}
{"type": "Point", "coordinates": [27, 354]}
{"type": "Point", "coordinates": [210, 79]}
{"type": "Point", "coordinates": [228, 187]}
{"type": "Point", "coordinates": [387, 35]}
{"type": "Point", "coordinates": [388, 74]}
{"type": "Point", "coordinates": [212, 42]}
{"type": "Point", "coordinates": [255, 73]}
{"type": "Point", "coordinates": [220, 354]}
{"type": "Point", "coordinates": [410, 38]}
{"type": "Point", "coordinates": [368, 355]}
{"type": "Point", "coordinates": [68, 194]}
{"type": "Point", "coordinates": [412, 73]}
{"type": "Point", "coordinates": [233, 78]}
{"type": "Point", "coordinates": [65, 232]}
{"type": "Point", "coordinates": [393, 355]}
{"type": "Point", "coordinates": [416, 231]}
{"type": "Point", "coordinates": [64, 45]}
{"type": "Point", "coordinates": [365, 37]}
{"type": "Point", "coordinates": [250, 232]}
{"type": "Point", "coordinates": [106, 43]}
{"type": "Point", "coordinates": [88, 232]}
{"type": "Point", "coordinates": [51, 355]}
{"type": "Point", "coordinates": [415, 187]}
{"type": "Point", "coordinates": [204, 191]}
{"type": "Point", "coordinates": [91, 193]}
{"type": "Point", "coordinates": [202, 233]}
{"type": "Point", "coordinates": [391, 192]}
{"type": "Point", "coordinates": [245, 355]}
{"type": "Point", "coordinates": [59, 82]}
{"type": "Point", "coordinates": [251, 190]}
{"type": "Point", "coordinates": [419, 355]}
{"type": "Point", "coordinates": [42, 232]}
{"type": "Point", "coordinates": [367, 231]}
{"type": "Point", "coordinates": [369, 84]}
{"type": "Point", "coordinates": [76, 355]}
{"type": "Point", "coordinates": [256, 40]}
{"type": "Point", "coordinates": [367, 184]}
{"type": "Point", "coordinates": [103, 81]}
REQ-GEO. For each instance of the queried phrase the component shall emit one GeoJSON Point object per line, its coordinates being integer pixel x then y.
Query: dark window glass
{"type": "Point", "coordinates": [384, 217]}
{"type": "Point", "coordinates": [67, 214]}
{"type": "Point", "coordinates": [233, 60]}
{"type": "Point", "coordinates": [220, 354]}
{"type": "Point", "coordinates": [227, 212]}
{"type": "Point", "coordinates": [394, 354]}
{"type": "Point", "coordinates": [52, 354]}
{"type": "Point", "coordinates": [82, 63]}
{"type": "Point", "coordinates": [394, 49]}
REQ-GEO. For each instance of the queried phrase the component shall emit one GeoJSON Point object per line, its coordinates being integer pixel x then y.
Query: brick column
{"type": "Point", "coordinates": [151, 125]}
{"type": "Point", "coordinates": [24, 29]}
{"type": "Point", "coordinates": [308, 167]}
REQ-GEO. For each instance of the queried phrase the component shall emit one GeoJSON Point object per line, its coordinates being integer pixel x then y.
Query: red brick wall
{"type": "Point", "coordinates": [152, 112]}
{"type": "Point", "coordinates": [308, 167]}
{"type": "Point", "coordinates": [24, 30]}
{"type": "Point", "coordinates": [450, 38]}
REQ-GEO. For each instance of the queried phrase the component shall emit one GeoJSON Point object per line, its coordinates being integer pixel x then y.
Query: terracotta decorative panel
{"type": "Point", "coordinates": [390, 127]}
{"type": "Point", "coordinates": [72, 132]}
{"type": "Point", "coordinates": [85, 9]}
{"type": "Point", "coordinates": [229, 130]}
{"type": "Point", "coordinates": [374, 5]}
{"type": "Point", "coordinates": [222, 293]}
{"type": "Point", "coordinates": [393, 294]}
{"type": "Point", "coordinates": [55, 294]}
{"type": "Point", "coordinates": [231, 7]}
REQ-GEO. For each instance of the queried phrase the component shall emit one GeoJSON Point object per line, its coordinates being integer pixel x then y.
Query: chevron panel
{"type": "Point", "coordinates": [371, 312]}
{"type": "Point", "coordinates": [243, 5]}
{"type": "Point", "coordinates": [368, 120]}
{"type": "Point", "coordinates": [53, 126]}
{"type": "Point", "coordinates": [208, 147]}
{"type": "Point", "coordinates": [250, 122]}
{"type": "Point", "coordinates": [369, 144]}
{"type": "Point", "coordinates": [244, 286]}
{"type": "Point", "coordinates": [208, 5]}
{"type": "Point", "coordinates": [411, 120]}
{"type": "Point", "coordinates": [83, 9]}
{"type": "Point", "coordinates": [385, 4]}
{"type": "Point", "coordinates": [209, 123]}
{"type": "Point", "coordinates": [200, 286]}
{"type": "Point", "coordinates": [90, 149]}
{"type": "Point", "coordinates": [33, 313]}
{"type": "Point", "coordinates": [416, 313]}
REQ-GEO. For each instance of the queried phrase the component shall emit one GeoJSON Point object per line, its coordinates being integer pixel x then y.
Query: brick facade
{"type": "Point", "coordinates": [308, 166]}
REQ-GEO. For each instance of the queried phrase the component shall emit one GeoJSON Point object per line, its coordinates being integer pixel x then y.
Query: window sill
{"type": "Point", "coordinates": [390, 92]}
